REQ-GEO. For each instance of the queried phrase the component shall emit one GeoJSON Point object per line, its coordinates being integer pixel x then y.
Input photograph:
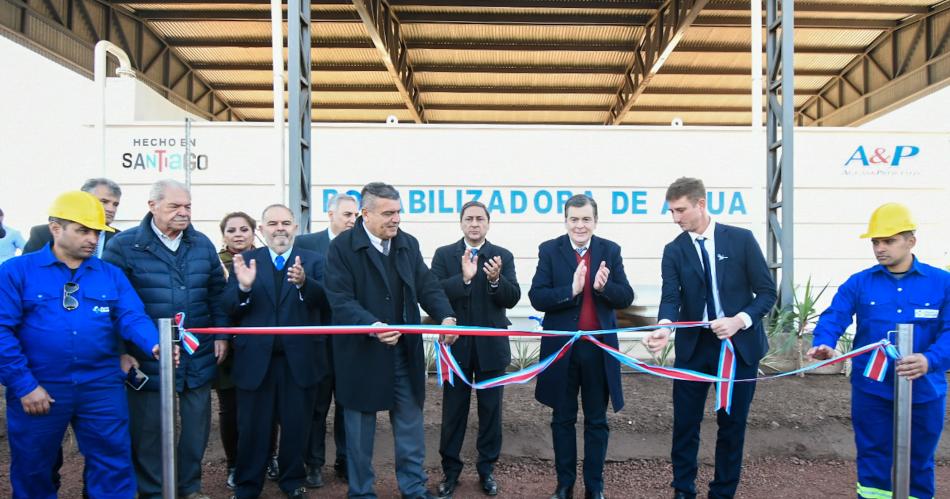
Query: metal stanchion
{"type": "Point", "coordinates": [903, 391]}
{"type": "Point", "coordinates": [167, 378]}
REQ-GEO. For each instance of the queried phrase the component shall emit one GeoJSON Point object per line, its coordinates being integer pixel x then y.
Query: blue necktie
{"type": "Point", "coordinates": [474, 252]}
{"type": "Point", "coordinates": [707, 274]}
{"type": "Point", "coordinates": [279, 262]}
{"type": "Point", "coordinates": [581, 251]}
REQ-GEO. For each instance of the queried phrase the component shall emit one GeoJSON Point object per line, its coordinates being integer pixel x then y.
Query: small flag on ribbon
{"type": "Point", "coordinates": [188, 340]}
{"type": "Point", "coordinates": [727, 370]}
{"type": "Point", "coordinates": [877, 365]}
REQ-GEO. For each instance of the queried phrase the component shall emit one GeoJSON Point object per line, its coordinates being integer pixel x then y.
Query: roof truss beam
{"type": "Point", "coordinates": [386, 33]}
{"type": "Point", "coordinates": [506, 18]}
{"type": "Point", "coordinates": [899, 66]}
{"type": "Point", "coordinates": [507, 46]}
{"type": "Point", "coordinates": [660, 37]}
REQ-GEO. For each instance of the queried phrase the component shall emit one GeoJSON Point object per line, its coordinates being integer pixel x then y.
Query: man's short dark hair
{"type": "Point", "coordinates": [238, 214]}
{"type": "Point", "coordinates": [91, 184]}
{"type": "Point", "coordinates": [374, 190]}
{"type": "Point", "coordinates": [580, 201]}
{"type": "Point", "coordinates": [475, 204]}
{"type": "Point", "coordinates": [692, 188]}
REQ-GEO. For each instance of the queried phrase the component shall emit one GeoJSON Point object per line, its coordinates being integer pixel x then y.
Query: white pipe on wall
{"type": "Point", "coordinates": [756, 28]}
{"type": "Point", "coordinates": [103, 48]}
{"type": "Point", "coordinates": [277, 49]}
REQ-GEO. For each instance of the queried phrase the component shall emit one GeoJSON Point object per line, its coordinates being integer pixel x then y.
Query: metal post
{"type": "Point", "coordinates": [298, 112]}
{"type": "Point", "coordinates": [167, 378]}
{"type": "Point", "coordinates": [903, 398]}
{"type": "Point", "coordinates": [780, 147]}
{"type": "Point", "coordinates": [188, 163]}
{"type": "Point", "coordinates": [756, 31]}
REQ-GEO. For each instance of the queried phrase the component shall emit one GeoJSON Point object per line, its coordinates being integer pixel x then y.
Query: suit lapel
{"type": "Point", "coordinates": [596, 256]}
{"type": "Point", "coordinates": [265, 273]}
{"type": "Point", "coordinates": [692, 256]}
{"type": "Point", "coordinates": [286, 287]}
{"type": "Point", "coordinates": [722, 248]}
{"type": "Point", "coordinates": [377, 258]}
{"type": "Point", "coordinates": [567, 251]}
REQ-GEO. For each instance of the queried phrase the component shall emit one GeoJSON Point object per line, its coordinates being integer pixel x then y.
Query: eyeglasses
{"type": "Point", "coordinates": [70, 302]}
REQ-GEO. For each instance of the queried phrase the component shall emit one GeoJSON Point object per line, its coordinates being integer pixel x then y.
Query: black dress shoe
{"type": "Point", "coordinates": [231, 483]}
{"type": "Point", "coordinates": [340, 468]}
{"type": "Point", "coordinates": [314, 478]}
{"type": "Point", "coordinates": [563, 493]}
{"type": "Point", "coordinates": [298, 493]}
{"type": "Point", "coordinates": [447, 487]}
{"type": "Point", "coordinates": [273, 470]}
{"type": "Point", "coordinates": [593, 495]}
{"type": "Point", "coordinates": [489, 487]}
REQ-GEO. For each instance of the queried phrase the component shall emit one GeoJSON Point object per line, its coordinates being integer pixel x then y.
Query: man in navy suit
{"type": "Point", "coordinates": [579, 283]}
{"type": "Point", "coordinates": [276, 375]}
{"type": "Point", "coordinates": [479, 279]}
{"type": "Point", "coordinates": [711, 272]}
{"type": "Point", "coordinates": [341, 210]}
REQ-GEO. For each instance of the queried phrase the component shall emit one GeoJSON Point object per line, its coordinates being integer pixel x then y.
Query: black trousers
{"type": "Point", "coordinates": [585, 374]}
{"type": "Point", "coordinates": [689, 403]}
{"type": "Point", "coordinates": [455, 405]}
{"type": "Point", "coordinates": [278, 397]}
{"type": "Point", "coordinates": [228, 426]}
{"type": "Point", "coordinates": [316, 447]}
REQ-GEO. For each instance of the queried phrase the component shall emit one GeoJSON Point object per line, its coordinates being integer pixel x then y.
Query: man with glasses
{"type": "Point", "coordinates": [62, 314]}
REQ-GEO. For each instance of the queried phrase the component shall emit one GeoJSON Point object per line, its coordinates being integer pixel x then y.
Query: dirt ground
{"type": "Point", "coordinates": [799, 445]}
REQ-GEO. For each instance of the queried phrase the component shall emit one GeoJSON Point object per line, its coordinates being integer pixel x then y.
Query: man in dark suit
{"type": "Point", "coordinates": [479, 299]}
{"type": "Point", "coordinates": [107, 192]}
{"type": "Point", "coordinates": [579, 283]}
{"type": "Point", "coordinates": [275, 286]}
{"type": "Point", "coordinates": [376, 275]}
{"type": "Point", "coordinates": [341, 210]}
{"type": "Point", "coordinates": [711, 272]}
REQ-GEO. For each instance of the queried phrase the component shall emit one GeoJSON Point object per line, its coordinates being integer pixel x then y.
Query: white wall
{"type": "Point", "coordinates": [47, 135]}
{"type": "Point", "coordinates": [928, 113]}
{"type": "Point", "coordinates": [48, 146]}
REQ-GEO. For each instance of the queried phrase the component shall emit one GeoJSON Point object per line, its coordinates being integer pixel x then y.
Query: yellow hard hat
{"type": "Point", "coordinates": [82, 208]}
{"type": "Point", "coordinates": [889, 219]}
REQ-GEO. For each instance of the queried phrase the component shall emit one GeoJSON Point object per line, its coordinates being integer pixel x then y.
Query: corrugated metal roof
{"type": "Point", "coordinates": [527, 62]}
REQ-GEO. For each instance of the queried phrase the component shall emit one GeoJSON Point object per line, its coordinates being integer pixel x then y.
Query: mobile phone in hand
{"type": "Point", "coordinates": [136, 379]}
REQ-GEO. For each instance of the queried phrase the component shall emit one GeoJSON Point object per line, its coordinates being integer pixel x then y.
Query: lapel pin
{"type": "Point", "coordinates": [721, 257]}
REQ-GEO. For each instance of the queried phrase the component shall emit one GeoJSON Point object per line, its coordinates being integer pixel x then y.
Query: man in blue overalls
{"type": "Point", "coordinates": [62, 314]}
{"type": "Point", "coordinates": [900, 290]}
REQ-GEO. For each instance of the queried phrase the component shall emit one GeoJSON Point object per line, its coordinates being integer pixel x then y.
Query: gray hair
{"type": "Point", "coordinates": [293, 216]}
{"type": "Point", "coordinates": [334, 202]}
{"type": "Point", "coordinates": [157, 192]}
{"type": "Point", "coordinates": [580, 201]}
{"type": "Point", "coordinates": [374, 190]}
{"type": "Point", "coordinates": [91, 184]}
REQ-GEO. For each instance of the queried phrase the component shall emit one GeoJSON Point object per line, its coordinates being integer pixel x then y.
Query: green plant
{"type": "Point", "coordinates": [662, 358]}
{"type": "Point", "coordinates": [777, 329]}
{"type": "Point", "coordinates": [788, 329]}
{"type": "Point", "coordinates": [805, 316]}
{"type": "Point", "coordinates": [429, 346]}
{"type": "Point", "coordinates": [525, 353]}
{"type": "Point", "coordinates": [845, 344]}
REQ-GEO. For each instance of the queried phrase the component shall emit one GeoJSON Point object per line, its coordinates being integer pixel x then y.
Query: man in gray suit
{"type": "Point", "coordinates": [341, 211]}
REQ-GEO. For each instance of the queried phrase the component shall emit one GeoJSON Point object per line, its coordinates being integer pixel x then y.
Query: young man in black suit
{"type": "Point", "coordinates": [711, 272]}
